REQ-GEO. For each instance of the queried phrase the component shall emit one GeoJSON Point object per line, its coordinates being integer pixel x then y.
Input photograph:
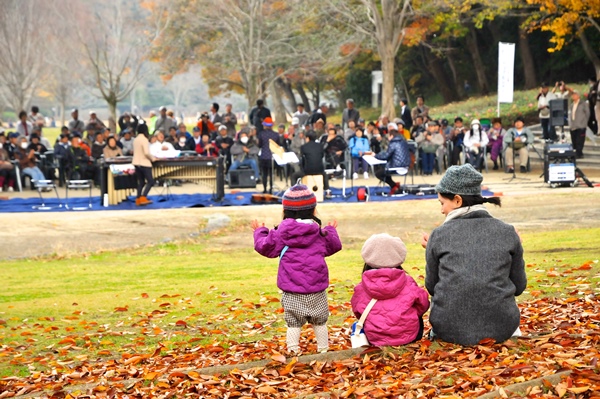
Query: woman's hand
{"type": "Point", "coordinates": [333, 224]}
{"type": "Point", "coordinates": [424, 240]}
{"type": "Point", "coordinates": [255, 225]}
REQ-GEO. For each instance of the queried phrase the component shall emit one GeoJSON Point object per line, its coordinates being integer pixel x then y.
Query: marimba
{"type": "Point", "coordinates": [202, 170]}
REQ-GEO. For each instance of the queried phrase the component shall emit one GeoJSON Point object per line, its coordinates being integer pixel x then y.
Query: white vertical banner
{"type": "Point", "coordinates": [506, 72]}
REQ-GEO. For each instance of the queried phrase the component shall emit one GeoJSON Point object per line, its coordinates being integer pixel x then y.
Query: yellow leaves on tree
{"type": "Point", "coordinates": [563, 18]}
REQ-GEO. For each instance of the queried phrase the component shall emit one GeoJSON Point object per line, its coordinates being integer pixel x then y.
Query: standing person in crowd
{"type": "Point", "coordinates": [244, 153]}
{"type": "Point", "coordinates": [592, 98]}
{"type": "Point", "coordinates": [578, 121]}
{"type": "Point", "coordinates": [302, 246]}
{"type": "Point", "coordinates": [142, 160]}
{"type": "Point", "coordinates": [476, 140]}
{"type": "Point", "coordinates": [27, 160]}
{"type": "Point", "coordinates": [457, 137]}
{"type": "Point", "coordinates": [77, 163]}
{"type": "Point", "coordinates": [127, 142]}
{"type": "Point", "coordinates": [7, 169]}
{"type": "Point", "coordinates": [214, 115]}
{"type": "Point", "coordinates": [397, 156]}
{"type": "Point", "coordinates": [266, 156]}
{"type": "Point", "coordinates": [405, 113]}
{"type": "Point", "coordinates": [164, 121]}
{"type": "Point", "coordinates": [475, 265]}
{"type": "Point", "coordinates": [420, 110]}
{"type": "Point", "coordinates": [35, 116]}
{"type": "Point", "coordinates": [223, 142]}
{"type": "Point", "coordinates": [319, 114]}
{"type": "Point", "coordinates": [430, 143]}
{"type": "Point", "coordinates": [151, 121]}
{"type": "Point", "coordinates": [350, 131]}
{"type": "Point", "coordinates": [259, 113]}
{"type": "Point", "coordinates": [24, 126]}
{"type": "Point", "coordinates": [544, 97]}
{"type": "Point", "coordinates": [516, 139]}
{"type": "Point", "coordinates": [205, 125]}
{"type": "Point", "coordinates": [127, 121]}
{"type": "Point", "coordinates": [359, 146]}
{"type": "Point", "coordinates": [384, 279]}
{"type": "Point", "coordinates": [94, 123]}
{"type": "Point", "coordinates": [350, 114]}
{"type": "Point", "coordinates": [495, 140]}
{"type": "Point", "coordinates": [301, 114]}
{"type": "Point", "coordinates": [112, 150]}
{"type": "Point", "coordinates": [229, 120]}
{"type": "Point", "coordinates": [560, 90]}
{"type": "Point", "coordinates": [76, 124]}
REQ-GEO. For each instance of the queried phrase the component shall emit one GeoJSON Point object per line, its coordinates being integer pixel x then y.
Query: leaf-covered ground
{"type": "Point", "coordinates": [559, 335]}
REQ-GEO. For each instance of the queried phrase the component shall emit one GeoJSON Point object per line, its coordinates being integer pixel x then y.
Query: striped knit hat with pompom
{"type": "Point", "coordinates": [298, 198]}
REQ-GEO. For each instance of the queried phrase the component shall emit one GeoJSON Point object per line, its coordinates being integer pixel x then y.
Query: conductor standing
{"type": "Point", "coordinates": [142, 160]}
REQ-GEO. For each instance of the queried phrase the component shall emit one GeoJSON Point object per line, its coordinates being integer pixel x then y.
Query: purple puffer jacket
{"type": "Point", "coordinates": [302, 269]}
{"type": "Point", "coordinates": [394, 319]}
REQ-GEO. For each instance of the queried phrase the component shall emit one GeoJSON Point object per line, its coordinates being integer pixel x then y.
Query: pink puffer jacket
{"type": "Point", "coordinates": [394, 320]}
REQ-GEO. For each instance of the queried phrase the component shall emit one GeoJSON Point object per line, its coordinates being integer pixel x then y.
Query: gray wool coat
{"type": "Point", "coordinates": [475, 268]}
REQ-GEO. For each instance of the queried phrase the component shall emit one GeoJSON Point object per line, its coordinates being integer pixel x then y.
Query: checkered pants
{"type": "Point", "coordinates": [305, 308]}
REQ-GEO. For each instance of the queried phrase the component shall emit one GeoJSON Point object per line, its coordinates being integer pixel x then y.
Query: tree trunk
{"type": "Point", "coordinates": [303, 96]}
{"type": "Point", "coordinates": [387, 90]}
{"type": "Point", "coordinates": [435, 67]}
{"type": "Point", "coordinates": [473, 47]}
{"type": "Point", "coordinates": [589, 51]}
{"type": "Point", "coordinates": [278, 107]}
{"type": "Point", "coordinates": [286, 88]}
{"type": "Point", "coordinates": [526, 57]}
{"type": "Point", "coordinates": [459, 87]}
{"type": "Point", "coordinates": [112, 111]}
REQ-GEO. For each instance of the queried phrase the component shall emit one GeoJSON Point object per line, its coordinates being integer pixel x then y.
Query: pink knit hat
{"type": "Point", "coordinates": [298, 198]}
{"type": "Point", "coordinates": [383, 250]}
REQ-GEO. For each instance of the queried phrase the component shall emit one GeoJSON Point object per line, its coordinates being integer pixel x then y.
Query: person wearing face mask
{"type": "Point", "coordinates": [244, 152]}
{"type": "Point", "coordinates": [27, 161]}
{"type": "Point", "coordinates": [475, 142]}
{"type": "Point", "coordinates": [182, 143]}
{"type": "Point", "coordinates": [7, 169]}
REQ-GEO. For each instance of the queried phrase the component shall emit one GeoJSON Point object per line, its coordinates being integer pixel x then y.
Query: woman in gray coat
{"type": "Point", "coordinates": [475, 265]}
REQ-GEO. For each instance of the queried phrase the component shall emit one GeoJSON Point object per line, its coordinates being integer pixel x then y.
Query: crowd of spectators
{"type": "Point", "coordinates": [414, 139]}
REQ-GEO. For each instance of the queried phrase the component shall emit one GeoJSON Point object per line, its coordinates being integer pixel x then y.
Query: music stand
{"type": "Point", "coordinates": [514, 176]}
{"type": "Point", "coordinates": [283, 159]}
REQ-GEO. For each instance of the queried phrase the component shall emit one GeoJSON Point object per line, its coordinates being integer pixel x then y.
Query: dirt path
{"type": "Point", "coordinates": [527, 205]}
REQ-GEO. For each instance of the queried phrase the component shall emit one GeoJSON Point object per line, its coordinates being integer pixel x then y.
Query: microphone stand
{"type": "Point", "coordinates": [514, 176]}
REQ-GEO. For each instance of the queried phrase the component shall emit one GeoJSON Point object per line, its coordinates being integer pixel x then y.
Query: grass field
{"type": "Point", "coordinates": [60, 310]}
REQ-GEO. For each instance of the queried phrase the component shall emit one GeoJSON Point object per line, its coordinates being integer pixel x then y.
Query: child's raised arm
{"type": "Point", "coordinates": [255, 225]}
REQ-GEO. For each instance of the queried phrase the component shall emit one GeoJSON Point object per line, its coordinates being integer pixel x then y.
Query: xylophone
{"type": "Point", "coordinates": [203, 170]}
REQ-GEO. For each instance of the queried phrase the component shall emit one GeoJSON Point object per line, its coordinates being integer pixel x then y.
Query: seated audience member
{"type": "Point", "coordinates": [35, 145]}
{"type": "Point", "coordinates": [37, 129]}
{"type": "Point", "coordinates": [61, 149]}
{"type": "Point", "coordinates": [457, 137]}
{"type": "Point", "coordinates": [383, 123]}
{"type": "Point", "coordinates": [334, 147]}
{"type": "Point", "coordinates": [196, 141]}
{"type": "Point", "coordinates": [418, 128]}
{"type": "Point", "coordinates": [172, 136]}
{"type": "Point", "coordinates": [516, 139]}
{"type": "Point", "coordinates": [27, 160]}
{"type": "Point", "coordinates": [98, 146]}
{"type": "Point", "coordinates": [224, 143]}
{"type": "Point", "coordinates": [311, 161]}
{"type": "Point", "coordinates": [12, 145]}
{"type": "Point", "coordinates": [161, 148]}
{"type": "Point", "coordinates": [359, 146]}
{"type": "Point", "coordinates": [430, 142]}
{"type": "Point", "coordinates": [385, 280]}
{"type": "Point", "coordinates": [495, 140]}
{"type": "Point", "coordinates": [475, 141]}
{"type": "Point", "coordinates": [207, 148]}
{"type": "Point", "coordinates": [350, 131]}
{"type": "Point", "coordinates": [78, 164]}
{"type": "Point", "coordinates": [183, 143]}
{"type": "Point", "coordinates": [127, 142]}
{"type": "Point", "coordinates": [379, 142]}
{"type": "Point", "coordinates": [397, 156]}
{"type": "Point", "coordinates": [244, 152]}
{"type": "Point", "coordinates": [112, 150]}
{"type": "Point", "coordinates": [475, 265]}
{"type": "Point", "coordinates": [183, 130]}
{"type": "Point", "coordinates": [7, 169]}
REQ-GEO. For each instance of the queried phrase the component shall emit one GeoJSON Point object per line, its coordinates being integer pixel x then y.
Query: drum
{"type": "Point", "coordinates": [315, 184]}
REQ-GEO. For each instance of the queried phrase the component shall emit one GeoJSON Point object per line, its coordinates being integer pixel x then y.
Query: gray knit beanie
{"type": "Point", "coordinates": [383, 250]}
{"type": "Point", "coordinates": [461, 180]}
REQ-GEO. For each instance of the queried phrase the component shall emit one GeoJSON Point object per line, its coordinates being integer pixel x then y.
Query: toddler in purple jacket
{"type": "Point", "coordinates": [397, 316]}
{"type": "Point", "coordinates": [301, 246]}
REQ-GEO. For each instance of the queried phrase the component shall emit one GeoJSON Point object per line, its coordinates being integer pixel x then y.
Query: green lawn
{"type": "Point", "coordinates": [102, 305]}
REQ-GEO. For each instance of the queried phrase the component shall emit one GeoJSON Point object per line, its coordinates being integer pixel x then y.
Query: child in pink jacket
{"type": "Point", "coordinates": [397, 316]}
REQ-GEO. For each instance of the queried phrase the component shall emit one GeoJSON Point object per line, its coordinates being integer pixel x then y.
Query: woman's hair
{"type": "Point", "coordinates": [470, 200]}
{"type": "Point", "coordinates": [367, 267]}
{"type": "Point", "coordinates": [303, 214]}
{"type": "Point", "coordinates": [111, 138]}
